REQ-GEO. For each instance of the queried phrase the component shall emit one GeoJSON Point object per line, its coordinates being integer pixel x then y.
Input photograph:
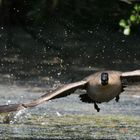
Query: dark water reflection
{"type": "Point", "coordinates": [95, 47]}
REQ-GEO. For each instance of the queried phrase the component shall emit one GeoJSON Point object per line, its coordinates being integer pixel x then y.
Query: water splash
{"type": "Point", "coordinates": [17, 117]}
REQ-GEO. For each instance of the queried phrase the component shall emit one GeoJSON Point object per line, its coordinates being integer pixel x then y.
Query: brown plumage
{"type": "Point", "coordinates": [101, 87]}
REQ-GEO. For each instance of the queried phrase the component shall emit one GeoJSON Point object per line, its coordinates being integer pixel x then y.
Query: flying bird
{"type": "Point", "coordinates": [100, 87]}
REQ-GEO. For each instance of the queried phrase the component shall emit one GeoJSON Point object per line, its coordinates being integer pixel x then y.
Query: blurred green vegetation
{"type": "Point", "coordinates": [35, 13]}
{"type": "Point", "coordinates": [133, 20]}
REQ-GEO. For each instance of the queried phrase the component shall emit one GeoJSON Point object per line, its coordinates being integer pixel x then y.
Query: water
{"type": "Point", "coordinates": [68, 118]}
{"type": "Point", "coordinates": [28, 72]}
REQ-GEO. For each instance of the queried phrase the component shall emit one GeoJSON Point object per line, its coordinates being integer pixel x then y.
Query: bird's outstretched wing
{"type": "Point", "coordinates": [11, 108]}
{"type": "Point", "coordinates": [131, 76]}
{"type": "Point", "coordinates": [131, 73]}
{"type": "Point", "coordinates": [62, 91]}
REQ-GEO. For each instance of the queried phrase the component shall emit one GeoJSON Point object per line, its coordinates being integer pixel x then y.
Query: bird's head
{"type": "Point", "coordinates": [104, 78]}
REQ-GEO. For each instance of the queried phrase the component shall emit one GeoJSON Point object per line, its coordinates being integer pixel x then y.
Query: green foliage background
{"type": "Point", "coordinates": [39, 13]}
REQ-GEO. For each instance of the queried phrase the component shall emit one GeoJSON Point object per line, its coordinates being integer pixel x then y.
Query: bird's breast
{"type": "Point", "coordinates": [104, 93]}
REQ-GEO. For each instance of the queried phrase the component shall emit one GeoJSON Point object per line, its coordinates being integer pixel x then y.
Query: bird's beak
{"type": "Point", "coordinates": [104, 82]}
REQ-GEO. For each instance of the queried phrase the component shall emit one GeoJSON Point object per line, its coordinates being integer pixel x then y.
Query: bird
{"type": "Point", "coordinates": [102, 86]}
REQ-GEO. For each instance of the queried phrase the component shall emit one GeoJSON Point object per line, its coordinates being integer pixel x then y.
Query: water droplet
{"type": "Point", "coordinates": [59, 73]}
{"type": "Point", "coordinates": [58, 114]}
{"type": "Point", "coordinates": [89, 31]}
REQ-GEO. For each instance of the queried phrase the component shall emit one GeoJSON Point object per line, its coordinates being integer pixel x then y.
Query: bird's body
{"type": "Point", "coordinates": [100, 87]}
{"type": "Point", "coordinates": [104, 93]}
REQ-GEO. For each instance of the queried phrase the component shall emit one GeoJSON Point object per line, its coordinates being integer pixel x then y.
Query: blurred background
{"type": "Point", "coordinates": [50, 37]}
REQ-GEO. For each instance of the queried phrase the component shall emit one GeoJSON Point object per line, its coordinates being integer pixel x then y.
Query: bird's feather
{"type": "Point", "coordinates": [131, 77]}
{"type": "Point", "coordinates": [85, 98]}
{"type": "Point", "coordinates": [11, 108]}
{"type": "Point", "coordinates": [62, 91]}
{"type": "Point", "coordinates": [131, 73]}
